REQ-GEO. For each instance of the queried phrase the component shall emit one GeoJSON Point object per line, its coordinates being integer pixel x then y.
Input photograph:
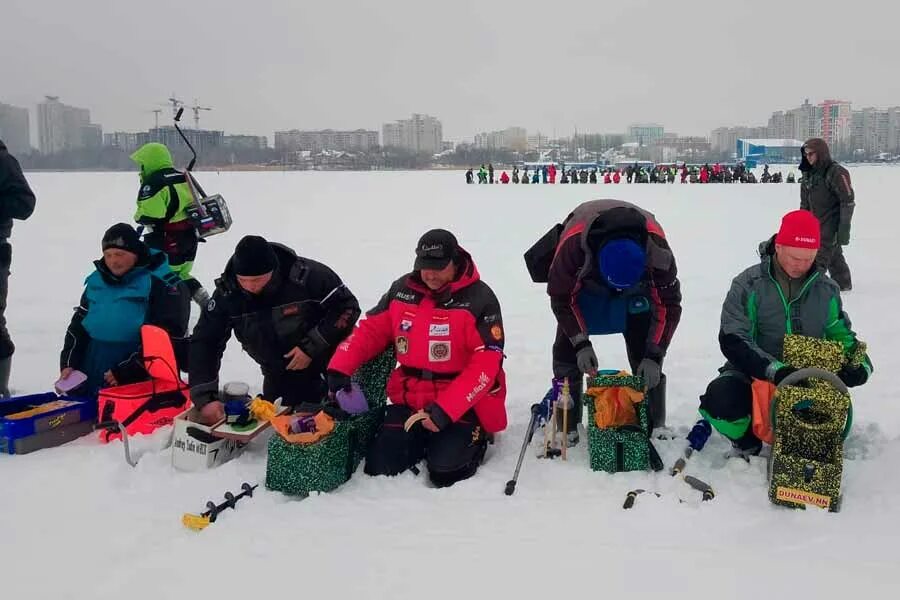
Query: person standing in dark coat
{"type": "Point", "coordinates": [16, 202]}
{"type": "Point", "coordinates": [288, 312]}
{"type": "Point", "coordinates": [827, 193]}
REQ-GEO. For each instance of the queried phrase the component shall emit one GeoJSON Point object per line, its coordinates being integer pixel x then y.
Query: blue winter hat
{"type": "Point", "coordinates": [621, 262]}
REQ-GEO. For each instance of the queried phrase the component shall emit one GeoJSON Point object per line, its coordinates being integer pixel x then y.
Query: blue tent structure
{"type": "Point", "coordinates": [758, 151]}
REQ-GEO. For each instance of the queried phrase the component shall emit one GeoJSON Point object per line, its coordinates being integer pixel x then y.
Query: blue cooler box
{"type": "Point", "coordinates": [29, 423]}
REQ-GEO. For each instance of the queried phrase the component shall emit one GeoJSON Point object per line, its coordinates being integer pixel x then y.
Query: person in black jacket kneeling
{"type": "Point", "coordinates": [288, 312]}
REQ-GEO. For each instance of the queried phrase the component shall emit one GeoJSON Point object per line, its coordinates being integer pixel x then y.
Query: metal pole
{"type": "Point", "coordinates": [529, 434]}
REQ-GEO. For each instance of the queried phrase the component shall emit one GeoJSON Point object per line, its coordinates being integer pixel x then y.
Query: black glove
{"type": "Point", "coordinates": [331, 408]}
{"type": "Point", "coordinates": [853, 376]}
{"type": "Point", "coordinates": [843, 235]}
{"type": "Point", "coordinates": [782, 373]}
{"type": "Point", "coordinates": [338, 381]}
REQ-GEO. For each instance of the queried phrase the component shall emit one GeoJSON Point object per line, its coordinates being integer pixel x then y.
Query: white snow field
{"type": "Point", "coordinates": [78, 522]}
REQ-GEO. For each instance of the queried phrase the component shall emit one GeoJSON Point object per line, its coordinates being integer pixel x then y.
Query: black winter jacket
{"type": "Point", "coordinates": [305, 305]}
{"type": "Point", "coordinates": [16, 198]}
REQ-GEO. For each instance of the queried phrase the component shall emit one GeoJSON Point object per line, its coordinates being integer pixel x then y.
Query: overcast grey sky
{"type": "Point", "coordinates": [271, 64]}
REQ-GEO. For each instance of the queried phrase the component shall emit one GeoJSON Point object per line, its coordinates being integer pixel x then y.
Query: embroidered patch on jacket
{"type": "Point", "coordinates": [402, 344]}
{"type": "Point", "coordinates": [439, 329]}
{"type": "Point", "coordinates": [438, 351]}
{"type": "Point", "coordinates": [405, 325]}
{"type": "Point", "coordinates": [497, 332]}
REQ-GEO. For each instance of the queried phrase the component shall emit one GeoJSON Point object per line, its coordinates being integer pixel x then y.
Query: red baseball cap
{"type": "Point", "coordinates": [799, 229]}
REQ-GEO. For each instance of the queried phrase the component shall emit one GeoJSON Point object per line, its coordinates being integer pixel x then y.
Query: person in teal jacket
{"type": "Point", "coordinates": [162, 204]}
{"type": "Point", "coordinates": [131, 286]}
{"type": "Point", "coordinates": [785, 293]}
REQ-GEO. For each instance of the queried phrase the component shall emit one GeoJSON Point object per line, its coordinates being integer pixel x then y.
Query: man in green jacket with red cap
{"type": "Point", "coordinates": [787, 292]}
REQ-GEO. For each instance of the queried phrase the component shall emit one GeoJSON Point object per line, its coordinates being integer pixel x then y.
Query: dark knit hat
{"type": "Point", "coordinates": [254, 256]}
{"type": "Point", "coordinates": [435, 250]}
{"type": "Point", "coordinates": [124, 237]}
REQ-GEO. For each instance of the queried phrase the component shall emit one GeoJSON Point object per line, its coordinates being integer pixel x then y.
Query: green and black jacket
{"type": "Point", "coordinates": [757, 314]}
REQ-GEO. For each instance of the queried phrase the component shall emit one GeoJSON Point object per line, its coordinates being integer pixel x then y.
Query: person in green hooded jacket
{"type": "Point", "coordinates": [162, 206]}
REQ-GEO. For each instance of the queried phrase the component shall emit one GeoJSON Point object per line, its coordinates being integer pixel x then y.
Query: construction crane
{"type": "Point", "coordinates": [197, 108]}
{"type": "Point", "coordinates": [156, 112]}
{"type": "Point", "coordinates": [176, 103]}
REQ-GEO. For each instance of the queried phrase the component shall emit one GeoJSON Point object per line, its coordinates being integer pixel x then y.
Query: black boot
{"type": "Point", "coordinates": [5, 368]}
{"type": "Point", "coordinates": [656, 404]}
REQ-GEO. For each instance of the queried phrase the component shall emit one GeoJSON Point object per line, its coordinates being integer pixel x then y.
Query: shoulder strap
{"type": "Point", "coordinates": [197, 192]}
{"type": "Point", "coordinates": [174, 203]}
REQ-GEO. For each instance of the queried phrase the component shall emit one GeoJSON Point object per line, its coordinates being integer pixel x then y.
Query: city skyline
{"type": "Point", "coordinates": [765, 128]}
{"type": "Point", "coordinates": [280, 65]}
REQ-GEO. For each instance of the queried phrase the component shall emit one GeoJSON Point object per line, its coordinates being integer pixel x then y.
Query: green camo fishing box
{"type": "Point", "coordinates": [810, 422]}
{"type": "Point", "coordinates": [298, 469]}
{"type": "Point", "coordinates": [620, 448]}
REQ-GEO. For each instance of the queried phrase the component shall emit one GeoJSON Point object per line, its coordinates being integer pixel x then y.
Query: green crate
{"type": "Point", "coordinates": [298, 469]}
{"type": "Point", "coordinates": [618, 449]}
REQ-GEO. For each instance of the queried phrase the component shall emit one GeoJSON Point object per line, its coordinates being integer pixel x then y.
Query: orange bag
{"type": "Point", "coordinates": [614, 406]}
{"type": "Point", "coordinates": [324, 426]}
{"type": "Point", "coordinates": [763, 395]}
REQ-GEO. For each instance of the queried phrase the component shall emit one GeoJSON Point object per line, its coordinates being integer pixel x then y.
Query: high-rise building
{"type": "Point", "coordinates": [799, 123]}
{"type": "Point", "coordinates": [287, 141]}
{"type": "Point", "coordinates": [91, 136]}
{"type": "Point", "coordinates": [680, 149]}
{"type": "Point", "coordinates": [836, 118]}
{"type": "Point", "coordinates": [245, 142]}
{"type": "Point", "coordinates": [15, 130]}
{"type": "Point", "coordinates": [875, 131]}
{"type": "Point", "coordinates": [894, 130]}
{"type": "Point", "coordinates": [724, 139]}
{"type": "Point", "coordinates": [420, 134]}
{"type": "Point", "coordinates": [511, 138]}
{"type": "Point", "coordinates": [538, 141]}
{"type": "Point", "coordinates": [644, 134]}
{"type": "Point", "coordinates": [326, 139]}
{"type": "Point", "coordinates": [126, 141]}
{"type": "Point", "coordinates": [63, 127]}
{"type": "Point", "coordinates": [201, 139]}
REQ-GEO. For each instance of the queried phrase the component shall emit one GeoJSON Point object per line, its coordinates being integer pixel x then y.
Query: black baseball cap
{"type": "Point", "coordinates": [435, 250]}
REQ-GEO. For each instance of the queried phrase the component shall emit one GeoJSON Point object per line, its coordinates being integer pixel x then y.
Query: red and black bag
{"type": "Point", "coordinates": [148, 405]}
